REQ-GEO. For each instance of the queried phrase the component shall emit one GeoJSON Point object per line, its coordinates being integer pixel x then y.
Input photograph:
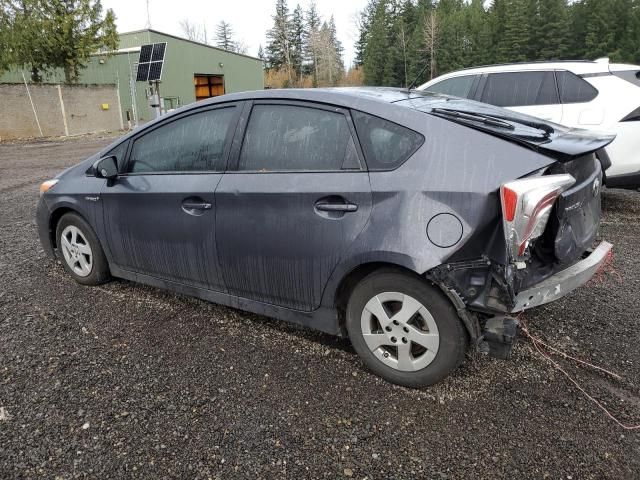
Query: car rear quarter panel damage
{"type": "Point", "coordinates": [457, 172]}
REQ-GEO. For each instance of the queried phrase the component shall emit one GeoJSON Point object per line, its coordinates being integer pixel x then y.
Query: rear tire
{"type": "Point", "coordinates": [404, 329]}
{"type": "Point", "coordinates": [80, 251]}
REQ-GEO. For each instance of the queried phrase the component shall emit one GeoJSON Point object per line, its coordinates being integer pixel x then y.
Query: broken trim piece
{"type": "Point", "coordinates": [469, 319]}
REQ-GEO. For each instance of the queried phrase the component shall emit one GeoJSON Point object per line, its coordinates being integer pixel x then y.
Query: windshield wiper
{"type": "Point", "coordinates": [503, 121]}
{"type": "Point", "coordinates": [545, 127]}
{"type": "Point", "coordinates": [474, 117]}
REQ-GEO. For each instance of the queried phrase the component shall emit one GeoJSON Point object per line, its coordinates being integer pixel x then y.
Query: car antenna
{"type": "Point", "coordinates": [415, 80]}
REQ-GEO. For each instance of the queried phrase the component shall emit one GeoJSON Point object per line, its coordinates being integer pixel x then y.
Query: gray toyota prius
{"type": "Point", "coordinates": [416, 224]}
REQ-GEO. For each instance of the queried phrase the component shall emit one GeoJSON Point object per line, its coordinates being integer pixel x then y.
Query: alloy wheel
{"type": "Point", "coordinates": [400, 331]}
{"type": "Point", "coordinates": [76, 251]}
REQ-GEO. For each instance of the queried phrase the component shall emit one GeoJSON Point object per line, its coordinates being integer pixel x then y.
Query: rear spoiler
{"type": "Point", "coordinates": [567, 145]}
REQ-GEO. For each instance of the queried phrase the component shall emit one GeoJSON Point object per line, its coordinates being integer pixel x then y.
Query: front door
{"type": "Point", "coordinates": [298, 198]}
{"type": "Point", "coordinates": [160, 213]}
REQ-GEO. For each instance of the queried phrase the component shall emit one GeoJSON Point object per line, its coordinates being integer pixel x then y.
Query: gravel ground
{"type": "Point", "coordinates": [127, 381]}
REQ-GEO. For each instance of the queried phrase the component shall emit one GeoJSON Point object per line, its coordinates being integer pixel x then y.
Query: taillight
{"type": "Point", "coordinates": [526, 207]}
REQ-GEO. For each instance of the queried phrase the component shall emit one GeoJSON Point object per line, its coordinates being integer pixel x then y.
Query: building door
{"type": "Point", "coordinates": [208, 86]}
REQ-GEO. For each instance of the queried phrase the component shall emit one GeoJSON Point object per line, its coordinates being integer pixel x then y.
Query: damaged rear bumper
{"type": "Point", "coordinates": [563, 282]}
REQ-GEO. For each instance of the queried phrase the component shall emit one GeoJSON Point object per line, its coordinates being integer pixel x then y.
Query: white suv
{"type": "Point", "coordinates": [594, 95]}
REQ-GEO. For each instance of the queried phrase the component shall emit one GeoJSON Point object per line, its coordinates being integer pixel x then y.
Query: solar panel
{"type": "Point", "coordinates": [145, 53]}
{"type": "Point", "coordinates": [155, 71]}
{"type": "Point", "coordinates": [150, 62]}
{"type": "Point", "coordinates": [158, 52]}
{"type": "Point", "coordinates": [143, 72]}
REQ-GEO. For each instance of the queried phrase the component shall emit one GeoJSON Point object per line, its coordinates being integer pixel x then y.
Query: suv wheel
{"type": "Point", "coordinates": [404, 329]}
{"type": "Point", "coordinates": [80, 250]}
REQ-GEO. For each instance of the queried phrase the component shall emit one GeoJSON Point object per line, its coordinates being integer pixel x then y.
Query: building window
{"type": "Point", "coordinates": [208, 86]}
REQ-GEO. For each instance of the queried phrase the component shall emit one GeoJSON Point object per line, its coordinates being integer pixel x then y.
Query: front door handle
{"type": "Point", "coordinates": [337, 207]}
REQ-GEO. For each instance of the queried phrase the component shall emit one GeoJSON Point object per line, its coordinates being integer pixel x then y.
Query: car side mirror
{"type": "Point", "coordinates": [107, 167]}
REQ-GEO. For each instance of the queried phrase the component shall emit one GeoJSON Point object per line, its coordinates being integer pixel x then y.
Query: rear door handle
{"type": "Point", "coordinates": [196, 205]}
{"type": "Point", "coordinates": [337, 207]}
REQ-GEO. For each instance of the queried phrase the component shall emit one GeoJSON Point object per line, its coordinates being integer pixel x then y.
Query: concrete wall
{"type": "Point", "coordinates": [183, 60]}
{"type": "Point", "coordinates": [60, 109]}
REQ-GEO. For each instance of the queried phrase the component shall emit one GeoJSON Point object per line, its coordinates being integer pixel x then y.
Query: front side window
{"type": "Point", "coordinates": [457, 87]}
{"type": "Point", "coordinates": [520, 89]}
{"type": "Point", "coordinates": [386, 145]}
{"type": "Point", "coordinates": [295, 138]}
{"type": "Point", "coordinates": [119, 152]}
{"type": "Point", "coordinates": [574, 89]}
{"type": "Point", "coordinates": [188, 144]}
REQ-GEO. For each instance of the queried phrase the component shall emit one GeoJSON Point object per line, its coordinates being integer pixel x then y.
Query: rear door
{"type": "Point", "coordinates": [577, 97]}
{"type": "Point", "coordinates": [159, 214]}
{"type": "Point", "coordinates": [534, 93]}
{"type": "Point", "coordinates": [295, 199]}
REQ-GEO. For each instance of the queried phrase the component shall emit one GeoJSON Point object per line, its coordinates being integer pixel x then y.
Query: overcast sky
{"type": "Point", "coordinates": [250, 18]}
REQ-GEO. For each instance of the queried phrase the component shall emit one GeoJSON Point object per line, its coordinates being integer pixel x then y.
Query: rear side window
{"type": "Point", "coordinates": [574, 89]}
{"type": "Point", "coordinates": [188, 144]}
{"type": "Point", "coordinates": [520, 89]}
{"type": "Point", "coordinates": [631, 76]}
{"type": "Point", "coordinates": [295, 138]}
{"type": "Point", "coordinates": [457, 87]}
{"type": "Point", "coordinates": [386, 145]}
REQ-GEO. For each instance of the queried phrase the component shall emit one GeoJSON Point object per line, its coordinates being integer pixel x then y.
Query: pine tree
{"type": "Point", "coordinates": [296, 35]}
{"type": "Point", "coordinates": [311, 33]}
{"type": "Point", "coordinates": [224, 36]}
{"type": "Point", "coordinates": [337, 50]}
{"type": "Point", "coordinates": [476, 41]}
{"type": "Point", "coordinates": [49, 34]}
{"type": "Point", "coordinates": [364, 24]}
{"type": "Point", "coordinates": [262, 57]}
{"type": "Point", "coordinates": [551, 30]}
{"type": "Point", "coordinates": [375, 54]}
{"type": "Point", "coordinates": [278, 42]}
{"type": "Point", "coordinates": [514, 44]}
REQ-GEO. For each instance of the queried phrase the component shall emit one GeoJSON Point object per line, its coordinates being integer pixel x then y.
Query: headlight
{"type": "Point", "coordinates": [45, 186]}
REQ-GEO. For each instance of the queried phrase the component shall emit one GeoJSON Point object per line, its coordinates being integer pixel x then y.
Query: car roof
{"type": "Point", "coordinates": [344, 96]}
{"type": "Point", "coordinates": [579, 67]}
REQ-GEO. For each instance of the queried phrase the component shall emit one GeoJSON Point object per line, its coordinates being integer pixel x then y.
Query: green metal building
{"type": "Point", "coordinates": [192, 71]}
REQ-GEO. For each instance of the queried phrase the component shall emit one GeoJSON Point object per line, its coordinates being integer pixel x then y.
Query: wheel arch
{"type": "Point", "coordinates": [54, 219]}
{"type": "Point", "coordinates": [349, 281]}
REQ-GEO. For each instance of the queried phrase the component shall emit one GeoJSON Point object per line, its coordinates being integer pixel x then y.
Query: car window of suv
{"type": "Point", "coordinates": [386, 145]}
{"type": "Point", "coordinates": [574, 89]}
{"type": "Point", "coordinates": [457, 87]}
{"type": "Point", "coordinates": [188, 144]}
{"type": "Point", "coordinates": [520, 89]}
{"type": "Point", "coordinates": [296, 138]}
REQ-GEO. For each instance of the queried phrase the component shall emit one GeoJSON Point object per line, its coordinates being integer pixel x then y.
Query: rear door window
{"type": "Point", "coordinates": [297, 138]}
{"type": "Point", "coordinates": [520, 89]}
{"type": "Point", "coordinates": [188, 144]}
{"type": "Point", "coordinates": [457, 87]}
{"type": "Point", "coordinates": [574, 89]}
{"type": "Point", "coordinates": [386, 145]}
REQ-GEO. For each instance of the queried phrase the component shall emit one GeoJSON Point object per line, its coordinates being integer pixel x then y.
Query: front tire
{"type": "Point", "coordinates": [404, 329]}
{"type": "Point", "coordinates": [80, 251]}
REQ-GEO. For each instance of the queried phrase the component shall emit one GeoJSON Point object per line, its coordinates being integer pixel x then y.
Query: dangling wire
{"type": "Point", "coordinates": [537, 343]}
